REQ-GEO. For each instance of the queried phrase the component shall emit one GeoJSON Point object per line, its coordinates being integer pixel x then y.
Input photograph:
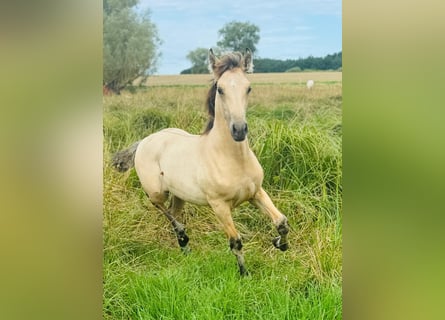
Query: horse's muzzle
{"type": "Point", "coordinates": [238, 131]}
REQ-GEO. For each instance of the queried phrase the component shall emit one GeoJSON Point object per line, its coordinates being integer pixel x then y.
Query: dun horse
{"type": "Point", "coordinates": [216, 168]}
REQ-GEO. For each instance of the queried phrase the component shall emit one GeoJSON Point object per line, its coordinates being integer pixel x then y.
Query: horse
{"type": "Point", "coordinates": [216, 168]}
{"type": "Point", "coordinates": [310, 84]}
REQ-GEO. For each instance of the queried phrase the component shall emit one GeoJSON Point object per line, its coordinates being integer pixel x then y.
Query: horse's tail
{"type": "Point", "coordinates": [124, 159]}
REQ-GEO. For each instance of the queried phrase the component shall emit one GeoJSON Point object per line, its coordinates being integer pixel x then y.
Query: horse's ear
{"type": "Point", "coordinates": [212, 61]}
{"type": "Point", "coordinates": [248, 61]}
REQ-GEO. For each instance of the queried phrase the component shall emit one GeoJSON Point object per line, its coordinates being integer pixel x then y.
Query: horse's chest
{"type": "Point", "coordinates": [244, 191]}
{"type": "Point", "coordinates": [238, 186]}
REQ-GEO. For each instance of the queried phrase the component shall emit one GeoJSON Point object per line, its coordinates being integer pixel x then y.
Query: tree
{"type": "Point", "coordinates": [130, 44]}
{"type": "Point", "coordinates": [238, 36]}
{"type": "Point", "coordinates": [115, 5]}
{"type": "Point", "coordinates": [198, 58]}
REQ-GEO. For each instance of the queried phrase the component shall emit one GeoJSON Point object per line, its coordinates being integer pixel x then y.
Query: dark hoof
{"type": "Point", "coordinates": [243, 272]}
{"type": "Point", "coordinates": [278, 245]}
{"type": "Point", "coordinates": [183, 239]}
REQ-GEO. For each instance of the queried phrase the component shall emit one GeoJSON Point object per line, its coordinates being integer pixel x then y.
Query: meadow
{"type": "Point", "coordinates": [296, 134]}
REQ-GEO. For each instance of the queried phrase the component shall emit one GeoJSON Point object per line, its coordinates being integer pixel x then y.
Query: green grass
{"type": "Point", "coordinates": [208, 287]}
{"type": "Point", "coordinates": [296, 135]}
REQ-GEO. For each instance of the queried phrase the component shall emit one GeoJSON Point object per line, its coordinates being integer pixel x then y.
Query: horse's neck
{"type": "Point", "coordinates": [221, 141]}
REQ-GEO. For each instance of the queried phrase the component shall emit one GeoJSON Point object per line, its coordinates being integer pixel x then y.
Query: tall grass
{"type": "Point", "coordinates": [296, 135]}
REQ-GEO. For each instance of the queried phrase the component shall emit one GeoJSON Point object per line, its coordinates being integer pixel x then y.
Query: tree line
{"type": "Point", "coordinates": [329, 62]}
{"type": "Point", "coordinates": [131, 47]}
{"type": "Point", "coordinates": [265, 65]}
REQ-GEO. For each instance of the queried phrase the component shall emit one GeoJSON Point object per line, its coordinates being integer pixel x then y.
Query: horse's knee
{"type": "Point", "coordinates": [283, 227]}
{"type": "Point", "coordinates": [235, 244]}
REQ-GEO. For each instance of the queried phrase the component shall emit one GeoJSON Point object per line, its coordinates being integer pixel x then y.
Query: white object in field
{"type": "Point", "coordinates": [310, 84]}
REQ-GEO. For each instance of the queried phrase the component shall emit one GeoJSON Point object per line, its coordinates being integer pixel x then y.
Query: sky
{"type": "Point", "coordinates": [289, 29]}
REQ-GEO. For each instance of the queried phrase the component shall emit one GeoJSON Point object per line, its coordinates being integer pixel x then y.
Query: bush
{"type": "Point", "coordinates": [294, 69]}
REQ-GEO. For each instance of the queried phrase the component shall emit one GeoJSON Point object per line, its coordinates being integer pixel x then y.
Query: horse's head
{"type": "Point", "coordinates": [232, 88]}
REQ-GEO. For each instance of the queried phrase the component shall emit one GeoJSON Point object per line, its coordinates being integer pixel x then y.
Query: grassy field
{"type": "Point", "coordinates": [296, 134]}
{"type": "Point", "coordinates": [271, 78]}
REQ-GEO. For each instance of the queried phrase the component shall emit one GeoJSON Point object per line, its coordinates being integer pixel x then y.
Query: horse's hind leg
{"type": "Point", "coordinates": [173, 210]}
{"type": "Point", "coordinates": [263, 202]}
{"type": "Point", "coordinates": [152, 182]}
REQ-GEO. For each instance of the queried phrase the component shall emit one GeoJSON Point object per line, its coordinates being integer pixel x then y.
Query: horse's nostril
{"type": "Point", "coordinates": [239, 127]}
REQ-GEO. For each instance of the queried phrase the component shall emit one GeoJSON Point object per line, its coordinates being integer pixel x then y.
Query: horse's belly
{"type": "Point", "coordinates": [190, 194]}
{"type": "Point", "coordinates": [184, 184]}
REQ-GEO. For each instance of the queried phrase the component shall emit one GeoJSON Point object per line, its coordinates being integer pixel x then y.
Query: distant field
{"type": "Point", "coordinates": [285, 77]}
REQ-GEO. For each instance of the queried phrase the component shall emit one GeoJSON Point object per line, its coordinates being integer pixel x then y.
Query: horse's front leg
{"type": "Point", "coordinates": [223, 214]}
{"type": "Point", "coordinates": [263, 202]}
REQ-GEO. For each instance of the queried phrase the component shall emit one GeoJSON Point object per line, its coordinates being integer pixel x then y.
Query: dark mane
{"type": "Point", "coordinates": [227, 62]}
{"type": "Point", "coordinates": [210, 106]}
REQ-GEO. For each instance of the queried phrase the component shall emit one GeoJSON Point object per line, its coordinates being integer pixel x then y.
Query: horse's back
{"type": "Point", "coordinates": [176, 132]}
{"type": "Point", "coordinates": [162, 140]}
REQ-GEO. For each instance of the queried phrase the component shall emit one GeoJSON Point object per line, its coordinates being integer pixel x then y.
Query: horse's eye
{"type": "Point", "coordinates": [220, 90]}
{"type": "Point", "coordinates": [248, 90]}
